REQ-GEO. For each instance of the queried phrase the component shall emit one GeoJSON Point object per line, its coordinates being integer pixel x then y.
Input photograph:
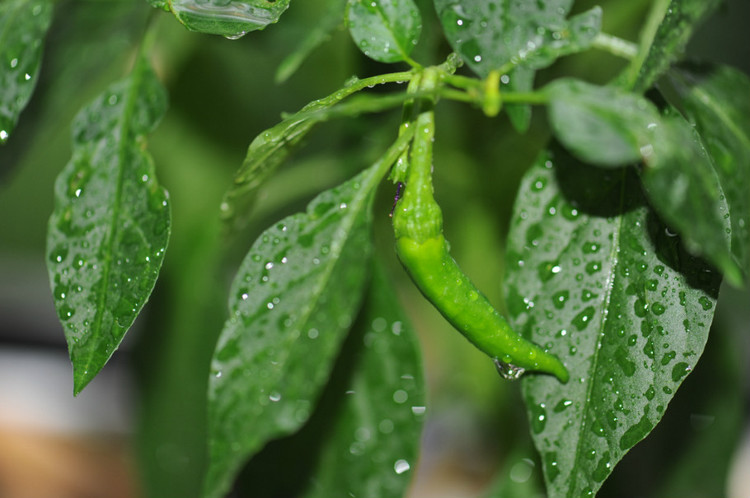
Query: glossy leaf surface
{"type": "Point", "coordinates": [109, 230]}
{"type": "Point", "coordinates": [708, 200]}
{"type": "Point", "coordinates": [23, 26]}
{"type": "Point", "coordinates": [684, 188]}
{"type": "Point", "coordinates": [516, 38]}
{"type": "Point", "coordinates": [594, 276]}
{"type": "Point", "coordinates": [384, 30]}
{"type": "Point", "coordinates": [229, 18]}
{"type": "Point", "coordinates": [602, 125]}
{"type": "Point", "coordinates": [373, 444]}
{"type": "Point", "coordinates": [662, 46]}
{"type": "Point", "coordinates": [291, 304]}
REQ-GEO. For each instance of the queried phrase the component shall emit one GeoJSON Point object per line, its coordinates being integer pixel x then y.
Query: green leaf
{"type": "Point", "coordinates": [716, 101]}
{"type": "Point", "coordinates": [713, 420]}
{"type": "Point", "coordinates": [374, 441]}
{"type": "Point", "coordinates": [682, 182]}
{"type": "Point", "coordinates": [291, 304]}
{"type": "Point", "coordinates": [601, 125]}
{"type": "Point", "coordinates": [663, 43]}
{"type": "Point", "coordinates": [520, 477]}
{"type": "Point", "coordinates": [515, 37]}
{"type": "Point", "coordinates": [329, 21]}
{"type": "Point", "coordinates": [384, 30]}
{"type": "Point", "coordinates": [270, 148]}
{"type": "Point", "coordinates": [23, 26]}
{"type": "Point", "coordinates": [230, 18]}
{"type": "Point", "coordinates": [593, 276]}
{"type": "Point", "coordinates": [109, 230]}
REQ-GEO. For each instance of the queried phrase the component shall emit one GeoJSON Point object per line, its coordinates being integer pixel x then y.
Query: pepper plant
{"type": "Point", "coordinates": [634, 210]}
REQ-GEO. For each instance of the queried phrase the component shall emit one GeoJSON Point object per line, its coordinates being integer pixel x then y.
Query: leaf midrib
{"type": "Point", "coordinates": [600, 337]}
{"type": "Point", "coordinates": [713, 106]}
{"type": "Point", "coordinates": [124, 123]}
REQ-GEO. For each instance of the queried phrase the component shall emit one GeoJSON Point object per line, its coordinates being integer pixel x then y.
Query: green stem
{"type": "Point", "coordinates": [458, 95]}
{"type": "Point", "coordinates": [655, 17]}
{"type": "Point", "coordinates": [463, 82]}
{"type": "Point", "coordinates": [533, 98]}
{"type": "Point", "coordinates": [616, 46]}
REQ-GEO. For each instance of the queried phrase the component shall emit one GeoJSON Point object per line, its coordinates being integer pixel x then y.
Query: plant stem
{"type": "Point", "coordinates": [534, 98]}
{"type": "Point", "coordinates": [655, 16]}
{"type": "Point", "coordinates": [616, 46]}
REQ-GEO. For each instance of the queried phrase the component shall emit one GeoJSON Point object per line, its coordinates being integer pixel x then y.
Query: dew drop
{"type": "Point", "coordinates": [507, 370]}
{"type": "Point", "coordinates": [401, 466]}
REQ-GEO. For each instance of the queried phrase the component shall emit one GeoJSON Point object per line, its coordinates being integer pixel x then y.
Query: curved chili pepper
{"type": "Point", "coordinates": [424, 253]}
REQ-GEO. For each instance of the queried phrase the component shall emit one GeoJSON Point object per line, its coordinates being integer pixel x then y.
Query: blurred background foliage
{"type": "Point", "coordinates": [222, 93]}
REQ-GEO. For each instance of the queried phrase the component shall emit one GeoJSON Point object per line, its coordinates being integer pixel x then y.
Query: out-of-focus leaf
{"type": "Point", "coordinates": [602, 125]}
{"type": "Point", "coordinates": [291, 303]}
{"type": "Point", "coordinates": [23, 26]}
{"type": "Point", "coordinates": [682, 183]}
{"type": "Point", "coordinates": [230, 18]}
{"type": "Point", "coordinates": [109, 230]}
{"type": "Point", "coordinates": [515, 38]}
{"type": "Point", "coordinates": [594, 276]}
{"type": "Point", "coordinates": [716, 101]}
{"type": "Point", "coordinates": [715, 421]}
{"type": "Point", "coordinates": [520, 478]}
{"type": "Point", "coordinates": [662, 44]}
{"type": "Point", "coordinates": [384, 30]}
{"type": "Point", "coordinates": [331, 19]}
{"type": "Point", "coordinates": [270, 148]}
{"type": "Point", "coordinates": [373, 444]}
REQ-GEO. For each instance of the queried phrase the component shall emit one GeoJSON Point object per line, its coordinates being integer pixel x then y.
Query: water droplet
{"type": "Point", "coordinates": [507, 370]}
{"type": "Point", "coordinates": [538, 418]}
{"type": "Point", "coordinates": [379, 324]}
{"type": "Point", "coordinates": [418, 410]}
{"type": "Point", "coordinates": [400, 396]}
{"type": "Point", "coordinates": [521, 471]}
{"type": "Point", "coordinates": [274, 397]}
{"type": "Point", "coordinates": [59, 254]}
{"type": "Point", "coordinates": [401, 466]}
{"type": "Point", "coordinates": [705, 303]}
{"type": "Point", "coordinates": [559, 299]}
{"type": "Point", "coordinates": [680, 370]}
{"type": "Point", "coordinates": [385, 426]}
{"type": "Point", "coordinates": [582, 319]}
{"type": "Point", "coordinates": [562, 405]}
{"type": "Point", "coordinates": [236, 36]}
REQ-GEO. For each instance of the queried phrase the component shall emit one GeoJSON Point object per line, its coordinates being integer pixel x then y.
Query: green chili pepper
{"type": "Point", "coordinates": [424, 253]}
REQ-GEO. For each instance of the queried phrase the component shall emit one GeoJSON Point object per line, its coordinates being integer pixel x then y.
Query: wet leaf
{"type": "Point", "coordinates": [230, 18]}
{"type": "Point", "coordinates": [23, 26]}
{"type": "Point", "coordinates": [384, 30]}
{"type": "Point", "coordinates": [684, 187]}
{"type": "Point", "coordinates": [516, 38]}
{"type": "Point", "coordinates": [596, 277]}
{"type": "Point", "coordinates": [109, 230]}
{"type": "Point", "coordinates": [291, 304]}
{"type": "Point", "coordinates": [663, 44]}
{"type": "Point", "coordinates": [372, 450]}
{"type": "Point", "coordinates": [602, 125]}
{"type": "Point", "coordinates": [271, 147]}
{"type": "Point", "coordinates": [708, 200]}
